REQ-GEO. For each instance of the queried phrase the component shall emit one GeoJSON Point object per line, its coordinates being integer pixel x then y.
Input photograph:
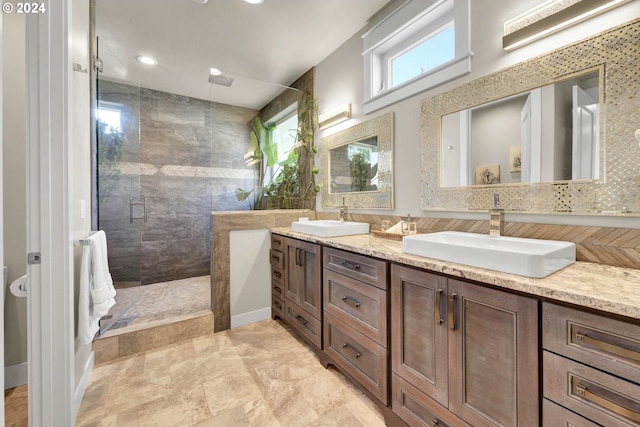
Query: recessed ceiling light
{"type": "Point", "coordinates": [214, 71]}
{"type": "Point", "coordinates": [201, 1]}
{"type": "Point", "coordinates": [147, 60]}
{"type": "Point", "coordinates": [254, 1]}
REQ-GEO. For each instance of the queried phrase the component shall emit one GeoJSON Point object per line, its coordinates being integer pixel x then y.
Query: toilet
{"type": "Point", "coordinates": [15, 374]}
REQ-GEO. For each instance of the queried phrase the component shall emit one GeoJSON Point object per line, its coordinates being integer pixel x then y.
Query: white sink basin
{"type": "Point", "coordinates": [526, 257]}
{"type": "Point", "coordinates": [330, 227]}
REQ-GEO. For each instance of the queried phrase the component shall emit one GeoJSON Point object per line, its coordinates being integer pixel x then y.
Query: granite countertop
{"type": "Point", "coordinates": [601, 287]}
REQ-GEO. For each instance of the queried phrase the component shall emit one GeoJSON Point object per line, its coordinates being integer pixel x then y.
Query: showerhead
{"type": "Point", "coordinates": [221, 80]}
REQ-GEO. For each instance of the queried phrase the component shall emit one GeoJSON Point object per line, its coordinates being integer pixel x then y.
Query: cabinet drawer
{"type": "Point", "coordinates": [359, 305]}
{"type": "Point", "coordinates": [308, 326]}
{"type": "Point", "coordinates": [417, 409]}
{"type": "Point", "coordinates": [607, 344]}
{"type": "Point", "coordinates": [365, 360]}
{"type": "Point", "coordinates": [277, 259]}
{"type": "Point", "coordinates": [596, 395]}
{"type": "Point", "coordinates": [277, 290]}
{"type": "Point", "coordinates": [556, 416]}
{"type": "Point", "coordinates": [277, 307]}
{"type": "Point", "coordinates": [365, 269]}
{"type": "Point", "coordinates": [277, 275]}
{"type": "Point", "coordinates": [277, 242]}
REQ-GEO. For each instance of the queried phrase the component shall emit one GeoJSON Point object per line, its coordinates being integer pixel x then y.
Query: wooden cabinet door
{"type": "Point", "coordinates": [493, 356]}
{"type": "Point", "coordinates": [294, 272]}
{"type": "Point", "coordinates": [310, 286]}
{"type": "Point", "coordinates": [419, 330]}
{"type": "Point", "coordinates": [304, 276]}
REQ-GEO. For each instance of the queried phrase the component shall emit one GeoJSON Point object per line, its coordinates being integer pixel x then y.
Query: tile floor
{"type": "Point", "coordinates": [258, 375]}
{"type": "Point", "coordinates": [15, 407]}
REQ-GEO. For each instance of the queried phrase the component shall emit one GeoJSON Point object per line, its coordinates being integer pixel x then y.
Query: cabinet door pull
{"type": "Point", "coordinates": [585, 393]}
{"type": "Point", "coordinates": [277, 274]}
{"type": "Point", "coordinates": [297, 256]}
{"type": "Point", "coordinates": [301, 264]}
{"type": "Point", "coordinates": [301, 320]}
{"type": "Point", "coordinates": [452, 310]}
{"type": "Point", "coordinates": [355, 303]}
{"type": "Point", "coordinates": [438, 310]}
{"type": "Point", "coordinates": [351, 265]}
{"type": "Point", "coordinates": [435, 423]}
{"type": "Point", "coordinates": [278, 289]}
{"type": "Point", "coordinates": [609, 348]}
{"type": "Point", "coordinates": [354, 353]}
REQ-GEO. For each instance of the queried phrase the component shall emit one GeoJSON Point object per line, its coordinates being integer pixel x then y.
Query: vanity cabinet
{"type": "Point", "coordinates": [462, 353]}
{"type": "Point", "coordinates": [278, 280]}
{"type": "Point", "coordinates": [591, 366]}
{"type": "Point", "coordinates": [355, 318]}
{"type": "Point", "coordinates": [302, 284]}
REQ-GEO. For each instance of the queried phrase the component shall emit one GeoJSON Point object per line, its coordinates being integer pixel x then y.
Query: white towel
{"type": "Point", "coordinates": [97, 293]}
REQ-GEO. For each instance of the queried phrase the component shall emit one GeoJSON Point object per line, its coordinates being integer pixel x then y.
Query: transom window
{"type": "Point", "coordinates": [420, 45]}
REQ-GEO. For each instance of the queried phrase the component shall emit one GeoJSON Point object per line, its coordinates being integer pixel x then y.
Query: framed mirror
{"type": "Point", "coordinates": [550, 168]}
{"type": "Point", "coordinates": [357, 165]}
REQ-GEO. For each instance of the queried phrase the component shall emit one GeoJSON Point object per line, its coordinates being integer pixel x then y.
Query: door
{"type": "Point", "coordinates": [121, 209]}
{"type": "Point", "coordinates": [531, 137]}
{"type": "Point", "coordinates": [493, 360]}
{"type": "Point", "coordinates": [311, 285]}
{"type": "Point", "coordinates": [585, 147]}
{"type": "Point", "coordinates": [419, 335]}
{"type": "Point", "coordinates": [304, 276]}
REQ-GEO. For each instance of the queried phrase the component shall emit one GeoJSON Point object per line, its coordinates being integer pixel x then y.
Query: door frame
{"type": "Point", "coordinates": [1, 236]}
{"type": "Point", "coordinates": [50, 288]}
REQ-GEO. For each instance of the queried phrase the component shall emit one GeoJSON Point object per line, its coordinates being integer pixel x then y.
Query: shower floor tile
{"type": "Point", "coordinates": [152, 305]}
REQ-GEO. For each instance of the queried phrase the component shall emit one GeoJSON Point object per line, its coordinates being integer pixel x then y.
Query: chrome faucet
{"type": "Point", "coordinates": [344, 211]}
{"type": "Point", "coordinates": [496, 222]}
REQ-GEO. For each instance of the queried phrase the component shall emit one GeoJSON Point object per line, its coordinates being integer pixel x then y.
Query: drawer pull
{"type": "Point", "coordinates": [275, 257]}
{"type": "Point", "coordinates": [583, 392]}
{"type": "Point", "coordinates": [277, 304]}
{"type": "Point", "coordinates": [438, 311]}
{"type": "Point", "coordinates": [277, 241]}
{"type": "Point", "coordinates": [278, 289]}
{"type": "Point", "coordinates": [351, 301]}
{"type": "Point", "coordinates": [452, 310]}
{"type": "Point", "coordinates": [301, 320]}
{"type": "Point", "coordinates": [435, 423]}
{"type": "Point", "coordinates": [277, 274]}
{"type": "Point", "coordinates": [354, 353]}
{"type": "Point", "coordinates": [610, 348]}
{"type": "Point", "coordinates": [351, 265]}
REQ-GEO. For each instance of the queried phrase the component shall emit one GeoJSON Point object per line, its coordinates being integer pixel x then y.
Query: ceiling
{"type": "Point", "coordinates": [260, 46]}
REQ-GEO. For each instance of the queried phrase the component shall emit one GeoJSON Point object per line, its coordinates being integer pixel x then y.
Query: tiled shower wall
{"type": "Point", "coordinates": [185, 156]}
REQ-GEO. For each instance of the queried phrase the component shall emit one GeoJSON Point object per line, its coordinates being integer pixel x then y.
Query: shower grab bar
{"type": "Point", "coordinates": [144, 210]}
{"type": "Point", "coordinates": [84, 242]}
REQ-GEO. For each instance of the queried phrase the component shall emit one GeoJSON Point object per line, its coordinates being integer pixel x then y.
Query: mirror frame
{"type": "Point", "coordinates": [382, 198]}
{"type": "Point", "coordinates": [616, 55]}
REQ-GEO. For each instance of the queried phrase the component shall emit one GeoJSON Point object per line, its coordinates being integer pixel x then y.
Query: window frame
{"type": "Point", "coordinates": [415, 20]}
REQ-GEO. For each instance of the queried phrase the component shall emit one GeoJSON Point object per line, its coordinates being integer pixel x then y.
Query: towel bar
{"type": "Point", "coordinates": [84, 242]}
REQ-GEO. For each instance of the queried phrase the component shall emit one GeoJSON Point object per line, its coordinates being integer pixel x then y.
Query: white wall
{"type": "Point", "coordinates": [339, 79]}
{"type": "Point", "coordinates": [250, 274]}
{"type": "Point", "coordinates": [14, 190]}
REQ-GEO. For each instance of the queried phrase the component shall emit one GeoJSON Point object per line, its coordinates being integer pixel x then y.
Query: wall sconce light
{"type": "Point", "coordinates": [335, 116]}
{"type": "Point", "coordinates": [551, 17]}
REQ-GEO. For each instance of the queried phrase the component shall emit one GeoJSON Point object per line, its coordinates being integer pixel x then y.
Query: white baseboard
{"type": "Point", "coordinates": [15, 375]}
{"type": "Point", "coordinates": [82, 385]}
{"type": "Point", "coordinates": [250, 317]}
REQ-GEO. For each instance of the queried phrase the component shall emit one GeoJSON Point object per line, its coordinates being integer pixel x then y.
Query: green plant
{"type": "Point", "coordinates": [360, 170]}
{"type": "Point", "coordinates": [109, 155]}
{"type": "Point", "coordinates": [294, 185]}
